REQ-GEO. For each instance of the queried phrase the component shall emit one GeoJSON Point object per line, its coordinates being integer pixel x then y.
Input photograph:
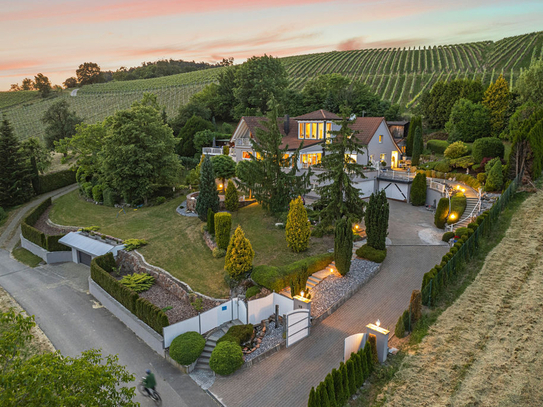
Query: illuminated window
{"type": "Point", "coordinates": [328, 129]}
{"type": "Point", "coordinates": [380, 139]}
{"type": "Point", "coordinates": [258, 156]}
{"type": "Point", "coordinates": [246, 155]}
{"type": "Point", "coordinates": [351, 158]}
{"type": "Point", "coordinates": [308, 130]}
{"type": "Point", "coordinates": [321, 130]}
{"type": "Point", "coordinates": [314, 131]}
{"type": "Point", "coordinates": [300, 130]}
{"type": "Point", "coordinates": [383, 157]}
{"type": "Point", "coordinates": [311, 159]}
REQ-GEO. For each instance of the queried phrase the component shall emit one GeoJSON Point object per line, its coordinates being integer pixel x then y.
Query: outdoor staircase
{"type": "Point", "coordinates": [471, 203]}
{"type": "Point", "coordinates": [312, 281]}
{"type": "Point", "coordinates": [203, 361]}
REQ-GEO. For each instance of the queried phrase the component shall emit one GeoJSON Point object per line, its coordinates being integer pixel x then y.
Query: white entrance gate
{"type": "Point", "coordinates": [298, 322]}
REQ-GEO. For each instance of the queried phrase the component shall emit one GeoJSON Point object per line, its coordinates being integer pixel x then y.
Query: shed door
{"type": "Point", "coordinates": [84, 258]}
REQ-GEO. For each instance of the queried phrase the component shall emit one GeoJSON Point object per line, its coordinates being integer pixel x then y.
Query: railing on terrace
{"type": "Point", "coordinates": [438, 186]}
{"type": "Point", "coordinates": [395, 174]}
{"type": "Point", "coordinates": [212, 150]}
{"type": "Point", "coordinates": [243, 142]}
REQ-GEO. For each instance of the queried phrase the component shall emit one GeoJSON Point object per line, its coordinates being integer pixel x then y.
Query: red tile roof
{"type": "Point", "coordinates": [319, 115]}
{"type": "Point", "coordinates": [366, 127]}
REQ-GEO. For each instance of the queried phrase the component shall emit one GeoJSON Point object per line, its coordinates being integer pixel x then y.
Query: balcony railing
{"type": "Point", "coordinates": [243, 142]}
{"type": "Point", "coordinates": [212, 150]}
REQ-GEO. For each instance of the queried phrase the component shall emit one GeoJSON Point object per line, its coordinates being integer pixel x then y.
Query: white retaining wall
{"type": "Point", "coordinates": [262, 308]}
{"type": "Point", "coordinates": [352, 344]}
{"type": "Point", "coordinates": [48, 257]}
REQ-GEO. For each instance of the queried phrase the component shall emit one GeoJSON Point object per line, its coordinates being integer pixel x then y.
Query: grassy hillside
{"type": "Point", "coordinates": [396, 74]}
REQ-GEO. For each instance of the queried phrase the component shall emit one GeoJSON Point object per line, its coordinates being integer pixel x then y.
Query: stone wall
{"type": "Point", "coordinates": [209, 241]}
{"type": "Point", "coordinates": [192, 198]}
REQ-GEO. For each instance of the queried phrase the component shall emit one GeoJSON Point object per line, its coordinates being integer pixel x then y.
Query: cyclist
{"type": "Point", "coordinates": [149, 382]}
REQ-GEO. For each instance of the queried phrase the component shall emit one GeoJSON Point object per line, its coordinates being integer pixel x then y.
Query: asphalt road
{"type": "Point", "coordinates": [58, 297]}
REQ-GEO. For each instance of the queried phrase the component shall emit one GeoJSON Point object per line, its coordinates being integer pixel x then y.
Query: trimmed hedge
{"type": "Point", "coordinates": [371, 254]}
{"type": "Point", "coordinates": [30, 233]}
{"type": "Point", "coordinates": [418, 190]}
{"type": "Point", "coordinates": [187, 347]}
{"type": "Point", "coordinates": [223, 227]}
{"type": "Point", "coordinates": [226, 358]}
{"type": "Point", "coordinates": [277, 278]}
{"type": "Point", "coordinates": [437, 146]}
{"type": "Point", "coordinates": [154, 317]}
{"type": "Point", "coordinates": [55, 180]}
{"type": "Point", "coordinates": [440, 217]}
{"type": "Point", "coordinates": [447, 236]}
{"type": "Point", "coordinates": [487, 147]}
{"type": "Point", "coordinates": [458, 206]}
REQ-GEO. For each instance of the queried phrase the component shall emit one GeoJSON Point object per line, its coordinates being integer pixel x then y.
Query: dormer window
{"type": "Point", "coordinates": [312, 130]}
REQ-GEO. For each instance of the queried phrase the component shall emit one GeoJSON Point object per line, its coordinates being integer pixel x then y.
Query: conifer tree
{"type": "Point", "coordinates": [357, 369]}
{"type": "Point", "coordinates": [372, 339]}
{"type": "Point", "coordinates": [338, 196]}
{"type": "Point", "coordinates": [329, 381]}
{"type": "Point", "coordinates": [346, 386]}
{"type": "Point", "coordinates": [210, 221]}
{"type": "Point", "coordinates": [418, 146]}
{"type": "Point", "coordinates": [364, 364]}
{"type": "Point", "coordinates": [496, 99]}
{"type": "Point", "coordinates": [416, 122]}
{"type": "Point", "coordinates": [15, 174]}
{"type": "Point", "coordinates": [377, 220]}
{"type": "Point", "coordinates": [325, 399]}
{"type": "Point", "coordinates": [297, 230]}
{"type": "Point", "coordinates": [343, 246]}
{"type": "Point", "coordinates": [494, 180]}
{"type": "Point", "coordinates": [418, 190]}
{"type": "Point", "coordinates": [369, 357]}
{"type": "Point", "coordinates": [231, 200]}
{"type": "Point", "coordinates": [209, 195]}
{"type": "Point", "coordinates": [338, 386]}
{"type": "Point", "coordinates": [240, 255]}
{"type": "Point", "coordinates": [312, 402]}
{"type": "Point", "coordinates": [352, 376]}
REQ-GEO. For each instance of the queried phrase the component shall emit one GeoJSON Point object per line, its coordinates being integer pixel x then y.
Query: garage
{"type": "Point", "coordinates": [84, 258]}
{"type": "Point", "coordinates": [86, 247]}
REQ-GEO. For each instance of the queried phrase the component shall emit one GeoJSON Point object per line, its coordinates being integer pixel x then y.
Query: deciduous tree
{"type": "Point", "coordinates": [468, 121]}
{"type": "Point", "coordinates": [224, 167]}
{"type": "Point", "coordinates": [27, 84]}
{"type": "Point", "coordinates": [42, 85]}
{"type": "Point", "coordinates": [88, 73]}
{"type": "Point", "coordinates": [60, 123]}
{"type": "Point", "coordinates": [70, 82]}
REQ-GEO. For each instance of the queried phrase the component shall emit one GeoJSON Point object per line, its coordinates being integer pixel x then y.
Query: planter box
{"type": "Point", "coordinates": [183, 368]}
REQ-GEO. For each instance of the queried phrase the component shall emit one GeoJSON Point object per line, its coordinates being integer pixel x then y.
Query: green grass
{"type": "Point", "coordinates": [26, 257]}
{"type": "Point", "coordinates": [176, 243]}
{"type": "Point", "coordinates": [8, 99]}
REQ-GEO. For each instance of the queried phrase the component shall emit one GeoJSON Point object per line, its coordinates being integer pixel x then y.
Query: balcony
{"type": "Point", "coordinates": [212, 150]}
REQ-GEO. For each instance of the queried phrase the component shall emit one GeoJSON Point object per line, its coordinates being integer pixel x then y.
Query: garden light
{"type": "Point", "coordinates": [458, 187]}
{"type": "Point", "coordinates": [378, 323]}
{"type": "Point", "coordinates": [452, 216]}
{"type": "Point", "coordinates": [220, 186]}
{"type": "Point", "coordinates": [302, 294]}
{"type": "Point", "coordinates": [463, 189]}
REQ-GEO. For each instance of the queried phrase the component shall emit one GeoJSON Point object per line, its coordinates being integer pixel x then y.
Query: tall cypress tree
{"type": "Point", "coordinates": [346, 386]}
{"type": "Point", "coordinates": [418, 146]}
{"type": "Point", "coordinates": [338, 386]}
{"type": "Point", "coordinates": [325, 399]}
{"type": "Point", "coordinates": [338, 196]}
{"type": "Point", "coordinates": [377, 220]}
{"type": "Point", "coordinates": [209, 195]}
{"type": "Point", "coordinates": [312, 402]}
{"type": "Point", "coordinates": [15, 174]}
{"type": "Point", "coordinates": [383, 220]}
{"type": "Point", "coordinates": [329, 381]}
{"type": "Point", "coordinates": [415, 123]}
{"type": "Point", "coordinates": [343, 246]}
{"type": "Point", "coordinates": [352, 376]}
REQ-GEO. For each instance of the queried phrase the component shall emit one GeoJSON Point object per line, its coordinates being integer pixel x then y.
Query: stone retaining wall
{"type": "Point", "coordinates": [192, 198]}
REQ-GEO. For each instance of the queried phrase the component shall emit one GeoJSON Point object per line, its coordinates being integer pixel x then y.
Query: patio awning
{"type": "Point", "coordinates": [88, 245]}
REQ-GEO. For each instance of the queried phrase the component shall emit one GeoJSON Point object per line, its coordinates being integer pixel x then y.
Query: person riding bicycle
{"type": "Point", "coordinates": [149, 382]}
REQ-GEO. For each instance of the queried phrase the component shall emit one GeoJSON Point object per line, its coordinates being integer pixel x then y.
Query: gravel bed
{"type": "Point", "coordinates": [333, 288]}
{"type": "Point", "coordinates": [273, 337]}
{"type": "Point", "coordinates": [42, 225]}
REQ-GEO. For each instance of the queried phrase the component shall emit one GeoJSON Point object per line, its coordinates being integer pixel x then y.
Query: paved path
{"type": "Point", "coordinates": [10, 236]}
{"type": "Point", "coordinates": [74, 322]}
{"type": "Point", "coordinates": [74, 92]}
{"type": "Point", "coordinates": [285, 378]}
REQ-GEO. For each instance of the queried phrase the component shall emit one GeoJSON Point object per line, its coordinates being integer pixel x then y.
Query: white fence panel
{"type": "Point", "coordinates": [242, 311]}
{"type": "Point", "coordinates": [285, 304]}
{"type": "Point", "coordinates": [260, 309]}
{"type": "Point", "coordinates": [173, 331]}
{"type": "Point", "coordinates": [297, 326]}
{"type": "Point", "coordinates": [216, 316]}
{"type": "Point", "coordinates": [352, 344]}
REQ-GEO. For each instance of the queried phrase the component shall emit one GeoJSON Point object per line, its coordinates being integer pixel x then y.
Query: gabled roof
{"type": "Point", "coordinates": [397, 123]}
{"type": "Point", "coordinates": [319, 115]}
{"type": "Point", "coordinates": [366, 127]}
{"type": "Point", "coordinates": [86, 244]}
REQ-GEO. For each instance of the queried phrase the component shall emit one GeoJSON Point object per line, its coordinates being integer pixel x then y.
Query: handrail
{"type": "Point", "coordinates": [472, 214]}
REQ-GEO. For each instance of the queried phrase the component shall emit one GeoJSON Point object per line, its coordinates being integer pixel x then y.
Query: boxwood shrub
{"type": "Point", "coordinates": [187, 347]}
{"type": "Point", "coordinates": [464, 231]}
{"type": "Point", "coordinates": [226, 358]}
{"type": "Point", "coordinates": [277, 278]}
{"type": "Point", "coordinates": [371, 254]}
{"type": "Point", "coordinates": [447, 236]}
{"type": "Point", "coordinates": [473, 225]}
{"type": "Point", "coordinates": [252, 291]}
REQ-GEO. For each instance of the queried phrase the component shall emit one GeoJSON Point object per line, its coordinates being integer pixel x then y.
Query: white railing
{"type": "Point", "coordinates": [469, 217]}
{"type": "Point", "coordinates": [212, 150]}
{"type": "Point", "coordinates": [395, 175]}
{"type": "Point", "coordinates": [438, 186]}
{"type": "Point", "coordinates": [243, 142]}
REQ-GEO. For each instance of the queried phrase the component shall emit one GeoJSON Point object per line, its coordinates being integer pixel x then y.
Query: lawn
{"type": "Point", "coordinates": [26, 257]}
{"type": "Point", "coordinates": [176, 243]}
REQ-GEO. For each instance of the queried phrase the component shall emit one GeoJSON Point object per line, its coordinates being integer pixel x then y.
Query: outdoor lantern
{"type": "Point", "coordinates": [220, 186]}
{"type": "Point", "coordinates": [452, 216]}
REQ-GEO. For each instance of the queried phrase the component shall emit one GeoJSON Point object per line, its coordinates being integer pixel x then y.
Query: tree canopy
{"type": "Point", "coordinates": [60, 123]}
{"type": "Point", "coordinates": [42, 85]}
{"type": "Point", "coordinates": [530, 83]}
{"type": "Point", "coordinates": [195, 124]}
{"type": "Point", "coordinates": [88, 73]}
{"type": "Point", "coordinates": [468, 121]}
{"type": "Point", "coordinates": [496, 100]}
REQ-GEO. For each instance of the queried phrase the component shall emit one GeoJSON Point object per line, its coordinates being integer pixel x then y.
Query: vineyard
{"type": "Point", "coordinates": [400, 75]}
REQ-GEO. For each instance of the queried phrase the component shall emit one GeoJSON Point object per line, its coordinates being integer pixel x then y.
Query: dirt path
{"type": "Point", "coordinates": [486, 349]}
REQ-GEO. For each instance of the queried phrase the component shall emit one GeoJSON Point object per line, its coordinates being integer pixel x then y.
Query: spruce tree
{"type": "Point", "coordinates": [352, 376]}
{"type": "Point", "coordinates": [343, 246]}
{"type": "Point", "coordinates": [210, 221]}
{"type": "Point", "coordinates": [15, 174]}
{"type": "Point", "coordinates": [239, 256]}
{"type": "Point", "coordinates": [329, 381]}
{"type": "Point", "coordinates": [297, 230]}
{"type": "Point", "coordinates": [312, 402]}
{"type": "Point", "coordinates": [497, 98]}
{"type": "Point", "coordinates": [231, 199]}
{"type": "Point", "coordinates": [209, 195]}
{"type": "Point", "coordinates": [418, 147]}
{"type": "Point", "coordinates": [338, 386]}
{"type": "Point", "coordinates": [338, 196]}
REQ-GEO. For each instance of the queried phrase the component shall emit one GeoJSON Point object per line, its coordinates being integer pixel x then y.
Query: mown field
{"type": "Point", "coordinates": [396, 74]}
{"type": "Point", "coordinates": [485, 349]}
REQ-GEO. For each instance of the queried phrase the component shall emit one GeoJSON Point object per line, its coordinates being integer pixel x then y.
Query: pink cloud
{"type": "Point", "coordinates": [360, 43]}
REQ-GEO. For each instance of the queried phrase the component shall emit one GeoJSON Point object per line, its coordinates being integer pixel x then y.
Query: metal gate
{"type": "Point", "coordinates": [298, 323]}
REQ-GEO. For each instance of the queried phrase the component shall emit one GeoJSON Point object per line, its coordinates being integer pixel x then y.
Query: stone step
{"type": "Point", "coordinates": [209, 348]}
{"type": "Point", "coordinates": [203, 359]}
{"type": "Point", "coordinates": [206, 354]}
{"type": "Point", "coordinates": [202, 366]}
{"type": "Point", "coordinates": [310, 284]}
{"type": "Point", "coordinates": [314, 279]}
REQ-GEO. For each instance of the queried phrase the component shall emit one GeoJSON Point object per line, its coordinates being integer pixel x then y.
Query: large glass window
{"type": "Point", "coordinates": [321, 130]}
{"type": "Point", "coordinates": [311, 159]}
{"type": "Point", "coordinates": [300, 130]}
{"type": "Point", "coordinates": [308, 130]}
{"type": "Point", "coordinates": [312, 130]}
{"type": "Point", "coordinates": [328, 130]}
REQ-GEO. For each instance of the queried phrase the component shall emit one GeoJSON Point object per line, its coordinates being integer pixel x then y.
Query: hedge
{"type": "Point", "coordinates": [226, 358]}
{"type": "Point", "coordinates": [149, 313]}
{"type": "Point", "coordinates": [487, 147]}
{"type": "Point", "coordinates": [55, 180]}
{"type": "Point", "coordinates": [30, 233]}
{"type": "Point", "coordinates": [458, 206]}
{"type": "Point", "coordinates": [440, 217]}
{"type": "Point", "coordinates": [186, 348]}
{"type": "Point", "coordinates": [437, 146]}
{"type": "Point", "coordinates": [371, 254]}
{"type": "Point", "coordinates": [111, 197]}
{"type": "Point", "coordinates": [447, 236]}
{"type": "Point", "coordinates": [277, 278]}
{"type": "Point", "coordinates": [238, 334]}
{"type": "Point", "coordinates": [460, 177]}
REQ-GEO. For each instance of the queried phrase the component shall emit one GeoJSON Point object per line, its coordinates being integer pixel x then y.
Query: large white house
{"type": "Point", "coordinates": [313, 130]}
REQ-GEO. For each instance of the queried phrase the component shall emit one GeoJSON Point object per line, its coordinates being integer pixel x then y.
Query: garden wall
{"type": "Point", "coordinates": [47, 256]}
{"type": "Point", "coordinates": [192, 198]}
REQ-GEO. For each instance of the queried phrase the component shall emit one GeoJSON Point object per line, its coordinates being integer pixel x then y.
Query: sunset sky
{"type": "Point", "coordinates": [54, 37]}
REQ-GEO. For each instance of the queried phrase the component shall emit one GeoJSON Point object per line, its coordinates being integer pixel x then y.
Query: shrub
{"type": "Point", "coordinates": [418, 190]}
{"type": "Point", "coordinates": [462, 162]}
{"type": "Point", "coordinates": [299, 281]}
{"type": "Point", "coordinates": [297, 230]}
{"type": "Point", "coordinates": [226, 358]}
{"type": "Point", "coordinates": [371, 254]}
{"type": "Point", "coordinates": [416, 306]}
{"type": "Point", "coordinates": [453, 250]}
{"type": "Point", "coordinates": [229, 338]}
{"type": "Point", "coordinates": [223, 225]}
{"type": "Point", "coordinates": [480, 218]}
{"type": "Point", "coordinates": [442, 210]}
{"type": "Point", "coordinates": [211, 222]}
{"type": "Point", "coordinates": [159, 200]}
{"type": "Point", "coordinates": [329, 383]}
{"type": "Point", "coordinates": [345, 377]}
{"type": "Point", "coordinates": [447, 236]}
{"type": "Point", "coordinates": [239, 256]}
{"type": "Point", "coordinates": [97, 193]}
{"type": "Point", "coordinates": [186, 348]}
{"type": "Point", "coordinates": [138, 282]}
{"type": "Point", "coordinates": [443, 166]}
{"type": "Point", "coordinates": [458, 206]}
{"type": "Point", "coordinates": [399, 331]}
{"type": "Point", "coordinates": [481, 177]}
{"type": "Point", "coordinates": [231, 199]}
{"type": "Point", "coordinates": [487, 147]}
{"type": "Point", "coordinates": [55, 180]}
{"type": "Point", "coordinates": [494, 180]}
{"type": "Point", "coordinates": [343, 246]}
{"type": "Point", "coordinates": [277, 278]}
{"type": "Point", "coordinates": [312, 402]}
{"type": "Point", "coordinates": [456, 150]}
{"type": "Point", "coordinates": [218, 253]}
{"type": "Point", "coordinates": [111, 197]}
{"type": "Point", "coordinates": [372, 339]}
{"type": "Point", "coordinates": [133, 244]}
{"type": "Point", "coordinates": [338, 386]}
{"type": "Point", "coordinates": [86, 188]}
{"type": "Point", "coordinates": [437, 146]}
{"type": "Point", "coordinates": [252, 291]}
{"type": "Point", "coordinates": [463, 231]}
{"type": "Point", "coordinates": [429, 276]}
{"type": "Point", "coordinates": [473, 225]}
{"type": "Point", "coordinates": [239, 334]}
{"type": "Point", "coordinates": [352, 376]}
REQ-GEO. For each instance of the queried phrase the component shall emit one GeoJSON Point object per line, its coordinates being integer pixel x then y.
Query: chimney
{"type": "Point", "coordinates": [287, 124]}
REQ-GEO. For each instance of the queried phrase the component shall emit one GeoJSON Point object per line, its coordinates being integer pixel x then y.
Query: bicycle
{"type": "Point", "coordinates": [152, 394]}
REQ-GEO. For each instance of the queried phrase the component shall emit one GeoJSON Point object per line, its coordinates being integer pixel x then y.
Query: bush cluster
{"type": "Point", "coordinates": [447, 236]}
{"type": "Point", "coordinates": [487, 147]}
{"type": "Point", "coordinates": [186, 348]}
{"type": "Point", "coordinates": [342, 383]}
{"type": "Point", "coordinates": [252, 291]}
{"type": "Point", "coordinates": [371, 254]}
{"type": "Point", "coordinates": [111, 197]}
{"type": "Point", "coordinates": [97, 193]}
{"type": "Point", "coordinates": [277, 278]}
{"type": "Point", "coordinates": [101, 267]}
{"type": "Point", "coordinates": [55, 180]}
{"type": "Point", "coordinates": [30, 233]}
{"type": "Point", "coordinates": [226, 358]}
